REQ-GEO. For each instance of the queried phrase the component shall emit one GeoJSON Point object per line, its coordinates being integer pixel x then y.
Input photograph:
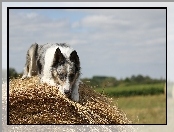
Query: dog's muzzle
{"type": "Point", "coordinates": [67, 92]}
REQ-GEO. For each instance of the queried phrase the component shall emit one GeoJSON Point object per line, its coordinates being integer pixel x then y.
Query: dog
{"type": "Point", "coordinates": [55, 64]}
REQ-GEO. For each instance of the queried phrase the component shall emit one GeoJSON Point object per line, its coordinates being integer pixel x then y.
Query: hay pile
{"type": "Point", "coordinates": [34, 103]}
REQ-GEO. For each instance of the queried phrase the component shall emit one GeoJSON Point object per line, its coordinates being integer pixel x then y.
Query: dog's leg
{"type": "Point", "coordinates": [27, 65]}
{"type": "Point", "coordinates": [25, 73]}
{"type": "Point", "coordinates": [30, 68]}
{"type": "Point", "coordinates": [75, 92]}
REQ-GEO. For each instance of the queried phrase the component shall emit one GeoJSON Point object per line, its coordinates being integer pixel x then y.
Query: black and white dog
{"type": "Point", "coordinates": [57, 65]}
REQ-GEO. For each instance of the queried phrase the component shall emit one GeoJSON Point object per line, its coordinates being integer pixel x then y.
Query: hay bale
{"type": "Point", "coordinates": [33, 103]}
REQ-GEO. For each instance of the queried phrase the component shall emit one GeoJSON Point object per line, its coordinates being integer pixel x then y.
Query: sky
{"type": "Point", "coordinates": [109, 42]}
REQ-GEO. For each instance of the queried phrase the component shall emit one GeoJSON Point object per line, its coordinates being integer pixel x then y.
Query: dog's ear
{"type": "Point", "coordinates": [75, 58]}
{"type": "Point", "coordinates": [58, 58]}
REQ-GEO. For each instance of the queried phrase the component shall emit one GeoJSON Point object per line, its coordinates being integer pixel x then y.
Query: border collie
{"type": "Point", "coordinates": [57, 65]}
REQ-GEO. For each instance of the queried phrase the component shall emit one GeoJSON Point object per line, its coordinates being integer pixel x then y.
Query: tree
{"type": "Point", "coordinates": [127, 80]}
{"type": "Point", "coordinates": [13, 73]}
{"type": "Point", "coordinates": [139, 79]}
{"type": "Point", "coordinates": [109, 82]}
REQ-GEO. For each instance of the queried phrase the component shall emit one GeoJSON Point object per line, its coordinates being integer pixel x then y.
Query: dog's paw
{"type": "Point", "coordinates": [75, 97]}
{"type": "Point", "coordinates": [24, 77]}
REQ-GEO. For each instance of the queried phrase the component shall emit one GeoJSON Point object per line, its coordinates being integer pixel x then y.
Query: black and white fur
{"type": "Point", "coordinates": [57, 65]}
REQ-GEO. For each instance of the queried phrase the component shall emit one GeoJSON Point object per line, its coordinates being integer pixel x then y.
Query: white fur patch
{"type": "Point", "coordinates": [49, 56]}
{"type": "Point", "coordinates": [66, 51]}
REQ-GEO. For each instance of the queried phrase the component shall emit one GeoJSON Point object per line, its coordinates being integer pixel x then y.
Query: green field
{"type": "Point", "coordinates": [143, 104]}
{"type": "Point", "coordinates": [132, 90]}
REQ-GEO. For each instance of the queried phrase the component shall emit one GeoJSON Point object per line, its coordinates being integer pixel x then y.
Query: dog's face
{"type": "Point", "coordinates": [65, 71]}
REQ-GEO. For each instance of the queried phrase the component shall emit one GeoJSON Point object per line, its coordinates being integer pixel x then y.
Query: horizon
{"type": "Point", "coordinates": [5, 70]}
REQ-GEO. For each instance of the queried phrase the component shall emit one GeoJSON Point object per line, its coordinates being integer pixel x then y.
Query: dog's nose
{"type": "Point", "coordinates": [67, 91]}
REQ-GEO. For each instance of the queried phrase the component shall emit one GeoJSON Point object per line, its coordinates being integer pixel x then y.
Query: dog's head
{"type": "Point", "coordinates": [65, 71]}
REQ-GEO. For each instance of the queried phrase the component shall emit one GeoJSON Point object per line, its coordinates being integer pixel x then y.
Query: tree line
{"type": "Point", "coordinates": [105, 81]}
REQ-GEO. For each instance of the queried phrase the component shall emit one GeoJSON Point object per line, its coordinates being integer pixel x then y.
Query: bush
{"type": "Point", "coordinates": [13, 73]}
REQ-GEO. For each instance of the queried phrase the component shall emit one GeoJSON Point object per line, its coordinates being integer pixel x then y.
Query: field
{"type": "Point", "coordinates": [141, 104]}
{"type": "Point", "coordinates": [125, 90]}
{"type": "Point", "coordinates": [144, 109]}
{"type": "Point", "coordinates": [162, 128]}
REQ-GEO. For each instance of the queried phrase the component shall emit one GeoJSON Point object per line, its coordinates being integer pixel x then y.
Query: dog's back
{"type": "Point", "coordinates": [36, 56]}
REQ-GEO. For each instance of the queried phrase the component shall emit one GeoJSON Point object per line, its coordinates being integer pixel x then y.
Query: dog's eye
{"type": "Point", "coordinates": [71, 77]}
{"type": "Point", "coordinates": [62, 76]}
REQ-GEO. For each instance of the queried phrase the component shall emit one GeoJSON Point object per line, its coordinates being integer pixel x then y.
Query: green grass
{"type": "Point", "coordinates": [132, 90]}
{"type": "Point", "coordinates": [144, 109]}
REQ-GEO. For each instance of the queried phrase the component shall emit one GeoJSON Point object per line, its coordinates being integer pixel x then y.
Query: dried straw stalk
{"type": "Point", "coordinates": [33, 103]}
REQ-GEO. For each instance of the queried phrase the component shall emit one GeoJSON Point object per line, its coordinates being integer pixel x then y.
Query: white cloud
{"type": "Point", "coordinates": [32, 15]}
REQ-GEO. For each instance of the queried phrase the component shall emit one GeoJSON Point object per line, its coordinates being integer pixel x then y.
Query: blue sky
{"type": "Point", "coordinates": [118, 43]}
